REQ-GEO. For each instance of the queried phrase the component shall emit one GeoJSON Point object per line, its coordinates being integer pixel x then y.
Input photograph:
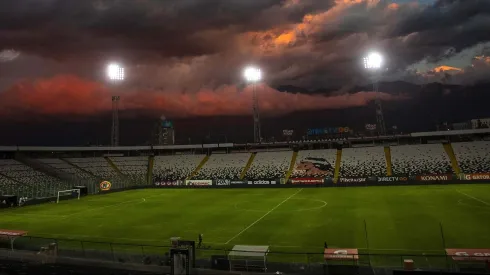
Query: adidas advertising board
{"type": "Point", "coordinates": [222, 182]}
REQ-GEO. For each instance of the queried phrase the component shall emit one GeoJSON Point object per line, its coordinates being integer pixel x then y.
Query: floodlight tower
{"type": "Point", "coordinates": [115, 74]}
{"type": "Point", "coordinates": [373, 62]}
{"type": "Point", "coordinates": [254, 75]}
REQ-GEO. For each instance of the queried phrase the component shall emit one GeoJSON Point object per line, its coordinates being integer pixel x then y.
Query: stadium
{"type": "Point", "coordinates": [421, 202]}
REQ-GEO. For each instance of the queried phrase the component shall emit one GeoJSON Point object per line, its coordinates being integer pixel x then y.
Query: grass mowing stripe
{"type": "Point", "coordinates": [471, 197]}
{"type": "Point", "coordinates": [259, 219]}
{"type": "Point", "coordinates": [112, 205]}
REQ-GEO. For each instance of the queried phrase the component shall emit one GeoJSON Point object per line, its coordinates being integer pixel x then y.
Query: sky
{"type": "Point", "coordinates": [184, 59]}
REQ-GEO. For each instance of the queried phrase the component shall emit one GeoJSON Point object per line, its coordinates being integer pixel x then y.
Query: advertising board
{"type": "Point", "coordinates": [238, 182]}
{"type": "Point", "coordinates": [464, 254]}
{"type": "Point", "coordinates": [353, 180]}
{"type": "Point", "coordinates": [391, 179]}
{"type": "Point", "coordinates": [440, 177]}
{"type": "Point", "coordinates": [105, 186]}
{"type": "Point", "coordinates": [199, 182]}
{"type": "Point", "coordinates": [341, 254]}
{"type": "Point", "coordinates": [261, 182]}
{"type": "Point", "coordinates": [222, 182]}
{"type": "Point", "coordinates": [164, 183]}
{"type": "Point", "coordinates": [328, 130]}
{"type": "Point", "coordinates": [307, 181]}
{"type": "Point", "coordinates": [479, 176]}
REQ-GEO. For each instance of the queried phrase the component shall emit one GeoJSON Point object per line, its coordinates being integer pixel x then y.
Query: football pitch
{"type": "Point", "coordinates": [414, 220]}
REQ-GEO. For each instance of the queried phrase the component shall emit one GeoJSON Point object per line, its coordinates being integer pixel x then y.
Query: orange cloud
{"type": "Point", "coordinates": [70, 95]}
{"type": "Point", "coordinates": [444, 68]}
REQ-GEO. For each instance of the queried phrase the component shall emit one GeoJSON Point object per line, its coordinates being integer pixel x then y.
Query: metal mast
{"type": "Point", "coordinates": [256, 113]}
{"type": "Point", "coordinates": [379, 112]}
{"type": "Point", "coordinates": [115, 121]}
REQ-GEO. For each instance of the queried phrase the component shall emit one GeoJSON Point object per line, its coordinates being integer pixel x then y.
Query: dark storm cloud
{"type": "Point", "coordinates": [186, 46]}
{"type": "Point", "coordinates": [441, 16]}
{"type": "Point", "coordinates": [139, 28]}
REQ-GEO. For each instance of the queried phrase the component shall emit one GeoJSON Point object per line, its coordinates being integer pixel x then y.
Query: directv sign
{"type": "Point", "coordinates": [167, 124]}
{"type": "Point", "coordinates": [326, 131]}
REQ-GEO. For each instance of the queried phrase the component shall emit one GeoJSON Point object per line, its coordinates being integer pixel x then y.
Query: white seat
{"type": "Point", "coordinates": [473, 157]}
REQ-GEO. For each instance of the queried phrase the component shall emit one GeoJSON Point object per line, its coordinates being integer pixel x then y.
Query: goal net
{"type": "Point", "coordinates": [72, 193]}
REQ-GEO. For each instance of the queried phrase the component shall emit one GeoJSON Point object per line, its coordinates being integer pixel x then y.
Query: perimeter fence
{"type": "Point", "coordinates": [216, 258]}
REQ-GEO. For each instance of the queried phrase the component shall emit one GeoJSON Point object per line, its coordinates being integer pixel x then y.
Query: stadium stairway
{"type": "Point", "coordinates": [114, 166]}
{"type": "Point", "coordinates": [338, 160]}
{"type": "Point", "coordinates": [389, 171]}
{"type": "Point", "coordinates": [149, 171]}
{"type": "Point", "coordinates": [448, 147]}
{"type": "Point", "coordinates": [46, 169]}
{"type": "Point", "coordinates": [201, 164]}
{"type": "Point", "coordinates": [291, 165]}
{"type": "Point", "coordinates": [79, 168]}
{"type": "Point", "coordinates": [249, 163]}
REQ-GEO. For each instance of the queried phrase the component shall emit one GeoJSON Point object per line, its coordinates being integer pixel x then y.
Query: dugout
{"type": "Point", "coordinates": [248, 258]}
{"type": "Point", "coordinates": [11, 236]}
{"type": "Point", "coordinates": [7, 201]}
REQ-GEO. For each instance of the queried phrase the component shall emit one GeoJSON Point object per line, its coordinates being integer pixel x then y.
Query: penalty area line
{"type": "Point", "coordinates": [259, 219]}
{"type": "Point", "coordinates": [471, 197]}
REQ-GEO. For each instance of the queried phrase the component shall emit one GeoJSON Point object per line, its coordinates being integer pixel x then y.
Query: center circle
{"type": "Point", "coordinates": [302, 205]}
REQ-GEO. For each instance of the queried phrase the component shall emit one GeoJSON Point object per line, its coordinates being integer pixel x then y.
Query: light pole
{"type": "Point", "coordinates": [115, 74]}
{"type": "Point", "coordinates": [253, 75]}
{"type": "Point", "coordinates": [373, 62]}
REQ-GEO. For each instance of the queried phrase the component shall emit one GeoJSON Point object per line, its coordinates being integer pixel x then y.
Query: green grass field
{"type": "Point", "coordinates": [392, 220]}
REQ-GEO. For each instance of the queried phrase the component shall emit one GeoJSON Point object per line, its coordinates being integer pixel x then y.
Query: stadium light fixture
{"type": "Point", "coordinates": [252, 74]}
{"type": "Point", "coordinates": [115, 72]}
{"type": "Point", "coordinates": [374, 60]}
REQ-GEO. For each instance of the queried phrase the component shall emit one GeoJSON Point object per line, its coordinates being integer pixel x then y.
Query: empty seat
{"type": "Point", "coordinates": [363, 162]}
{"type": "Point", "coordinates": [473, 157]}
{"type": "Point", "coordinates": [269, 165]}
{"type": "Point", "coordinates": [421, 159]}
{"type": "Point", "coordinates": [223, 166]}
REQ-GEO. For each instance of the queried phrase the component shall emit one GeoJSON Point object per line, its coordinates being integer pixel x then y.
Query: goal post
{"type": "Point", "coordinates": [67, 192]}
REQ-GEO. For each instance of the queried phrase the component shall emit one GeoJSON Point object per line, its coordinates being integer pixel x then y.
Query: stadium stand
{"type": "Point", "coordinates": [135, 168]}
{"type": "Point", "coordinates": [66, 168]}
{"type": "Point", "coordinates": [420, 160]}
{"type": "Point", "coordinates": [176, 167]}
{"type": "Point", "coordinates": [314, 163]}
{"type": "Point", "coordinates": [223, 166]}
{"type": "Point", "coordinates": [8, 187]}
{"type": "Point", "coordinates": [269, 165]}
{"type": "Point", "coordinates": [473, 157]}
{"type": "Point", "coordinates": [363, 162]}
{"type": "Point", "coordinates": [97, 166]}
{"type": "Point", "coordinates": [35, 184]}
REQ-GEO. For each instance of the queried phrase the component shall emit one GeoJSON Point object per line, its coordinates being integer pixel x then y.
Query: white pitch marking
{"type": "Point", "coordinates": [476, 199]}
{"type": "Point", "coordinates": [259, 219]}
{"type": "Point", "coordinates": [112, 205]}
